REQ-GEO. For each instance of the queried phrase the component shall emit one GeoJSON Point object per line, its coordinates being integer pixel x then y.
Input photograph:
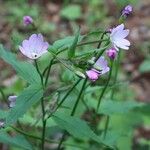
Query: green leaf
{"type": "Point", "coordinates": [71, 51]}
{"type": "Point", "coordinates": [110, 107]}
{"type": "Point", "coordinates": [64, 43]}
{"type": "Point", "coordinates": [3, 114]}
{"type": "Point", "coordinates": [71, 12]}
{"type": "Point", "coordinates": [18, 140]}
{"type": "Point", "coordinates": [26, 70]}
{"type": "Point", "coordinates": [27, 98]}
{"type": "Point", "coordinates": [76, 127]}
{"type": "Point", "coordinates": [145, 66]}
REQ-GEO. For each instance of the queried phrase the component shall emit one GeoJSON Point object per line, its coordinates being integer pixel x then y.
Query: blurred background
{"type": "Point", "coordinates": [59, 18]}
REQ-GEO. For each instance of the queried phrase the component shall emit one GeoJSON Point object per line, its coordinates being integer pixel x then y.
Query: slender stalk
{"type": "Point", "coordinates": [82, 44]}
{"type": "Point", "coordinates": [44, 123]}
{"type": "Point", "coordinates": [78, 98]}
{"type": "Point", "coordinates": [116, 75]}
{"type": "Point", "coordinates": [101, 39]}
{"type": "Point", "coordinates": [112, 94]}
{"type": "Point", "coordinates": [104, 89]}
{"type": "Point", "coordinates": [64, 98]}
{"type": "Point", "coordinates": [73, 111]}
{"type": "Point", "coordinates": [43, 110]}
{"type": "Point", "coordinates": [37, 68]}
{"type": "Point", "coordinates": [48, 72]}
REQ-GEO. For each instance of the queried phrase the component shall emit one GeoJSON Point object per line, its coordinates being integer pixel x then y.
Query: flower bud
{"type": "Point", "coordinates": [111, 53]}
{"type": "Point", "coordinates": [80, 74]}
{"type": "Point", "coordinates": [27, 20]}
{"type": "Point", "coordinates": [127, 10]}
{"type": "Point", "coordinates": [12, 101]}
{"type": "Point", "coordinates": [92, 75]}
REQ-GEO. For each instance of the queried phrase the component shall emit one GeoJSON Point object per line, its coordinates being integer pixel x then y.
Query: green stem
{"type": "Point", "coordinates": [112, 94]}
{"type": "Point", "coordinates": [43, 110]}
{"type": "Point", "coordinates": [44, 123]}
{"type": "Point", "coordinates": [116, 75]}
{"type": "Point", "coordinates": [104, 89]}
{"type": "Point", "coordinates": [73, 111]}
{"type": "Point", "coordinates": [78, 98]}
{"type": "Point", "coordinates": [64, 98]}
{"type": "Point", "coordinates": [37, 68]}
{"type": "Point", "coordinates": [48, 72]}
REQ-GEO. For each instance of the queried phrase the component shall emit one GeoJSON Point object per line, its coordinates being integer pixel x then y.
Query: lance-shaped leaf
{"type": "Point", "coordinates": [110, 107]}
{"type": "Point", "coordinates": [18, 141]}
{"type": "Point", "coordinates": [25, 70]}
{"type": "Point", "coordinates": [25, 100]}
{"type": "Point", "coordinates": [77, 127]}
{"type": "Point", "coordinates": [71, 51]}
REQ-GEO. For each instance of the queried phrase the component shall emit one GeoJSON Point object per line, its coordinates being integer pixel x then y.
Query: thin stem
{"type": "Point", "coordinates": [37, 68]}
{"type": "Point", "coordinates": [104, 89]}
{"type": "Point", "coordinates": [112, 94]}
{"type": "Point", "coordinates": [43, 110]}
{"type": "Point", "coordinates": [101, 39]}
{"type": "Point", "coordinates": [116, 75]}
{"type": "Point", "coordinates": [48, 72]}
{"type": "Point", "coordinates": [91, 42]}
{"type": "Point", "coordinates": [81, 44]}
{"type": "Point", "coordinates": [78, 98]}
{"type": "Point", "coordinates": [73, 111]}
{"type": "Point", "coordinates": [44, 123]}
{"type": "Point", "coordinates": [64, 98]}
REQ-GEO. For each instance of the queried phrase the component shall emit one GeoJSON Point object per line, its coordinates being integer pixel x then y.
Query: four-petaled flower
{"type": "Point", "coordinates": [118, 36]}
{"type": "Point", "coordinates": [34, 47]}
{"type": "Point", "coordinates": [99, 68]}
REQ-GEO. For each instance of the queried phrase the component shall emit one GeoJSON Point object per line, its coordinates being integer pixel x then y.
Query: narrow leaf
{"type": "Point", "coordinates": [76, 127]}
{"type": "Point", "coordinates": [18, 140]}
{"type": "Point", "coordinates": [110, 107]}
{"type": "Point", "coordinates": [71, 51]}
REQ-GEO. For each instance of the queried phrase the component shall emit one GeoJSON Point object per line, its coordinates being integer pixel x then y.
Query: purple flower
{"type": "Point", "coordinates": [118, 36]}
{"type": "Point", "coordinates": [100, 67]}
{"type": "Point", "coordinates": [12, 101]}
{"type": "Point", "coordinates": [34, 47]}
{"type": "Point", "coordinates": [127, 10]}
{"type": "Point", "coordinates": [27, 20]}
{"type": "Point", "coordinates": [111, 53]}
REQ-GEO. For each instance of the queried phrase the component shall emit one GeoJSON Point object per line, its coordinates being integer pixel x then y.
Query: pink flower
{"type": "Point", "coordinates": [100, 67]}
{"type": "Point", "coordinates": [27, 20]}
{"type": "Point", "coordinates": [118, 36]}
{"type": "Point", "coordinates": [34, 47]}
{"type": "Point", "coordinates": [92, 75]}
{"type": "Point", "coordinates": [111, 53]}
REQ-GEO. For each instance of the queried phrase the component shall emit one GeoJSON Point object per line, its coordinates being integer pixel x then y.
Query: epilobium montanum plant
{"type": "Point", "coordinates": [60, 100]}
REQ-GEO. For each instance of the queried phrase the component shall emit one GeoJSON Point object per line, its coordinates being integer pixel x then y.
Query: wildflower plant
{"type": "Point", "coordinates": [59, 106]}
